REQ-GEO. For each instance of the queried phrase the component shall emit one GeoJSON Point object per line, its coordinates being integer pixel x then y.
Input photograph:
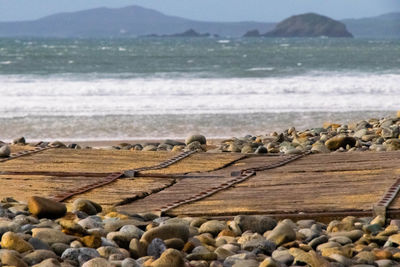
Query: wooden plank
{"type": "Point", "coordinates": [51, 172]}
{"type": "Point", "coordinates": [21, 187]}
{"type": "Point", "coordinates": [334, 182]}
{"type": "Point", "coordinates": [108, 161]}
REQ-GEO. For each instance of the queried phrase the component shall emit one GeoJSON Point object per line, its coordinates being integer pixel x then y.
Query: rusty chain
{"type": "Point", "coordinates": [115, 176]}
{"type": "Point", "coordinates": [26, 153]}
{"type": "Point", "coordinates": [240, 177]}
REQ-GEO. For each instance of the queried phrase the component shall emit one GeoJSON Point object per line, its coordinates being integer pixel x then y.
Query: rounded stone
{"type": "Point", "coordinates": [87, 206]}
{"type": "Point", "coordinates": [48, 263]}
{"type": "Point", "coordinates": [131, 231]}
{"type": "Point", "coordinates": [79, 255]}
{"type": "Point", "coordinates": [51, 236]}
{"type": "Point", "coordinates": [261, 150]}
{"type": "Point", "coordinates": [281, 234]}
{"type": "Point", "coordinates": [11, 259]}
{"type": "Point", "coordinates": [129, 262]}
{"type": "Point", "coordinates": [283, 256]}
{"type": "Point", "coordinates": [194, 146]}
{"type": "Point", "coordinates": [5, 151]}
{"type": "Point", "coordinates": [170, 258]}
{"type": "Point", "coordinates": [91, 241]}
{"type": "Point", "coordinates": [156, 248]}
{"type": "Point", "coordinates": [255, 223]}
{"type": "Point", "coordinates": [59, 248]}
{"type": "Point", "coordinates": [12, 241]}
{"type": "Point", "coordinates": [46, 208]}
{"type": "Point", "coordinates": [340, 141]}
{"type": "Point", "coordinates": [19, 141]}
{"type": "Point", "coordinates": [167, 232]}
{"type": "Point", "coordinates": [197, 137]}
{"type": "Point", "coordinates": [213, 227]}
{"type": "Point", "coordinates": [38, 256]}
{"type": "Point", "coordinates": [137, 248]}
{"type": "Point", "coordinates": [97, 262]}
{"type": "Point", "coordinates": [38, 244]}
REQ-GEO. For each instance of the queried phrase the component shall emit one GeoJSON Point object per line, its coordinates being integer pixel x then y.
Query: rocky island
{"type": "Point", "coordinates": [306, 25]}
{"type": "Point", "coordinates": [188, 34]}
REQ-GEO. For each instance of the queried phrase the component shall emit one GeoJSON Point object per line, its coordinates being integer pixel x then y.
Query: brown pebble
{"type": "Point", "coordinates": [91, 241]}
{"type": "Point", "coordinates": [46, 208]}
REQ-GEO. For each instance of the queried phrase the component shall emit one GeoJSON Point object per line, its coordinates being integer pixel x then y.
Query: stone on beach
{"type": "Point", "coordinates": [197, 137]}
{"type": "Point", "coordinates": [87, 206]}
{"type": "Point", "coordinates": [213, 227]}
{"type": "Point", "coordinates": [51, 236]}
{"type": "Point", "coordinates": [170, 258]}
{"type": "Point", "coordinates": [340, 141]}
{"type": "Point", "coordinates": [97, 262]}
{"type": "Point", "coordinates": [19, 141]}
{"type": "Point", "coordinates": [167, 232]}
{"type": "Point", "coordinates": [282, 233]}
{"type": "Point", "coordinates": [255, 223]}
{"type": "Point", "coordinates": [5, 151]}
{"type": "Point", "coordinates": [12, 241]}
{"type": "Point", "coordinates": [46, 208]}
{"type": "Point", "coordinates": [38, 256]}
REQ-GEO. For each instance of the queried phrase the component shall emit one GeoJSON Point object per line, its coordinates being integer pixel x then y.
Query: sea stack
{"type": "Point", "coordinates": [309, 25]}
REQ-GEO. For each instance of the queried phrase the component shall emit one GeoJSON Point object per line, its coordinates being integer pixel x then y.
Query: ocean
{"type": "Point", "coordinates": [155, 88]}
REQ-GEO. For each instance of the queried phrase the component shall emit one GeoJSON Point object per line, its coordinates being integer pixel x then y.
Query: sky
{"type": "Point", "coordinates": [209, 10]}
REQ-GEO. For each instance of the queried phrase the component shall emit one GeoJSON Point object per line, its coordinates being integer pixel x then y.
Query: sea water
{"type": "Point", "coordinates": [157, 88]}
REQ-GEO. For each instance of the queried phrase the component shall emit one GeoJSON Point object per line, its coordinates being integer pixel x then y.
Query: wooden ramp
{"type": "Point", "coordinates": [200, 184]}
{"type": "Point", "coordinates": [53, 171]}
{"type": "Point", "coordinates": [337, 183]}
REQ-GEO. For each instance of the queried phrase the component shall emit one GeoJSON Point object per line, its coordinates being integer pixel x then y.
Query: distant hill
{"type": "Point", "coordinates": [309, 25]}
{"type": "Point", "coordinates": [384, 26]}
{"type": "Point", "coordinates": [121, 22]}
{"type": "Point", "coordinates": [138, 21]}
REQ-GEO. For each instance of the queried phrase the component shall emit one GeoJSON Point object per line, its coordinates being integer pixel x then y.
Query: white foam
{"type": "Point", "coordinates": [85, 96]}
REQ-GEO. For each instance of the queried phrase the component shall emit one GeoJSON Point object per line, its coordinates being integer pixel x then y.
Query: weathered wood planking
{"type": "Point", "coordinates": [18, 148]}
{"type": "Point", "coordinates": [21, 187]}
{"type": "Point", "coordinates": [98, 161]}
{"type": "Point", "coordinates": [63, 169]}
{"type": "Point", "coordinates": [108, 161]}
{"type": "Point", "coordinates": [336, 182]}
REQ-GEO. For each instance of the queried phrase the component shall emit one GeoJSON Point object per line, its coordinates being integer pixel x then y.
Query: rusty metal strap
{"type": "Point", "coordinates": [162, 165]}
{"type": "Point", "coordinates": [26, 153]}
{"type": "Point", "coordinates": [240, 177]}
{"type": "Point", "coordinates": [67, 194]}
{"type": "Point", "coordinates": [380, 208]}
{"type": "Point", "coordinates": [114, 176]}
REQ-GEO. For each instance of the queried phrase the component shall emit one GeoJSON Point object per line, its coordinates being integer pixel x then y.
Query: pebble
{"type": "Point", "coordinates": [196, 138]}
{"type": "Point", "coordinates": [166, 232]}
{"type": "Point", "coordinates": [38, 256]}
{"type": "Point", "coordinates": [97, 262]}
{"type": "Point", "coordinates": [243, 241]}
{"type": "Point", "coordinates": [213, 227]}
{"type": "Point", "coordinates": [49, 263]}
{"type": "Point", "coordinates": [46, 208]}
{"type": "Point", "coordinates": [19, 141]}
{"type": "Point", "coordinates": [369, 134]}
{"type": "Point", "coordinates": [5, 151]}
{"type": "Point", "coordinates": [156, 248]}
{"type": "Point", "coordinates": [255, 223]}
{"type": "Point", "coordinates": [281, 234]}
{"type": "Point", "coordinates": [170, 258]}
{"type": "Point", "coordinates": [87, 206]}
{"type": "Point", "coordinates": [12, 241]}
{"type": "Point", "coordinates": [51, 236]}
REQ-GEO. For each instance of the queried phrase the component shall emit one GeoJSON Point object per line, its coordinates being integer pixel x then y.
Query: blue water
{"type": "Point", "coordinates": [156, 88]}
